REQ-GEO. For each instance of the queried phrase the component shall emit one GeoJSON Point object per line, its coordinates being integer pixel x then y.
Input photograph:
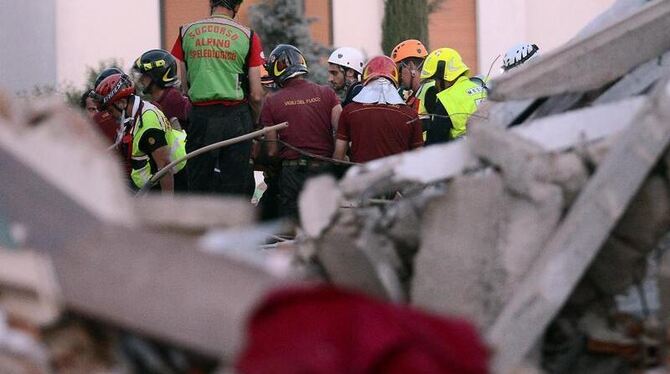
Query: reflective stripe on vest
{"type": "Point", "coordinates": [152, 117]}
{"type": "Point", "coordinates": [215, 51]}
{"type": "Point", "coordinates": [460, 101]}
{"type": "Point", "coordinates": [421, 96]}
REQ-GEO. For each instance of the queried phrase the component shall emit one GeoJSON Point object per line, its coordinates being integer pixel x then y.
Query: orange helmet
{"type": "Point", "coordinates": [409, 48]}
{"type": "Point", "coordinates": [381, 66]}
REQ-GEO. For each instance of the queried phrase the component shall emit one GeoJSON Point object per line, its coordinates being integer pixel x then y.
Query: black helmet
{"type": "Point", "coordinates": [286, 62]}
{"type": "Point", "coordinates": [160, 66]}
{"type": "Point", "coordinates": [106, 73]}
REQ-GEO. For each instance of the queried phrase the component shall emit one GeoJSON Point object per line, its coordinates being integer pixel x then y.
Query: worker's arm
{"type": "Point", "coordinates": [161, 157]}
{"type": "Point", "coordinates": [341, 147]}
{"type": "Point", "coordinates": [182, 75]}
{"type": "Point", "coordinates": [273, 147]}
{"type": "Point", "coordinates": [255, 92]}
{"type": "Point", "coordinates": [335, 117]}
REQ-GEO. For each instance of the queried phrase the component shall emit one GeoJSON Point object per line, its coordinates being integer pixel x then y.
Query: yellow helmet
{"type": "Point", "coordinates": [446, 60]}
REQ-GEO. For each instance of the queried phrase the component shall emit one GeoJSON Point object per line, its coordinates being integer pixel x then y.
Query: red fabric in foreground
{"type": "Point", "coordinates": [325, 330]}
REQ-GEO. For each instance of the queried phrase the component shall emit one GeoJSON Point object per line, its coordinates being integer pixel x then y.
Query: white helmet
{"type": "Point", "coordinates": [348, 57]}
{"type": "Point", "coordinates": [518, 55]}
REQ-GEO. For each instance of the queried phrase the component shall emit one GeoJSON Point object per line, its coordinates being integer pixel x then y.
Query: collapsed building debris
{"type": "Point", "coordinates": [544, 213]}
{"type": "Point", "coordinates": [529, 227]}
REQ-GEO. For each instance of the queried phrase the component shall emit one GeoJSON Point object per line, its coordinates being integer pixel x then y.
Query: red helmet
{"type": "Point", "coordinates": [381, 66]}
{"type": "Point", "coordinates": [113, 88]}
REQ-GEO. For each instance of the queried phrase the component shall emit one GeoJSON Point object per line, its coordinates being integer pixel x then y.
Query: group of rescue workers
{"type": "Point", "coordinates": [373, 109]}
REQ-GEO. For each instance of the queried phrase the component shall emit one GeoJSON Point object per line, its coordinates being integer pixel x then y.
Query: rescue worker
{"type": "Point", "coordinates": [271, 167]}
{"type": "Point", "coordinates": [88, 105]}
{"type": "Point", "coordinates": [148, 140]}
{"type": "Point", "coordinates": [223, 60]}
{"type": "Point", "coordinates": [107, 124]}
{"type": "Point", "coordinates": [345, 66]}
{"type": "Point", "coordinates": [519, 55]}
{"type": "Point", "coordinates": [454, 98]}
{"type": "Point", "coordinates": [156, 75]}
{"type": "Point", "coordinates": [267, 82]}
{"type": "Point", "coordinates": [409, 56]}
{"type": "Point", "coordinates": [312, 112]}
{"type": "Point", "coordinates": [378, 123]}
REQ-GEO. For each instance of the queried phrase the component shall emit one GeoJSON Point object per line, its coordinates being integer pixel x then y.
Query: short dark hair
{"type": "Point", "coordinates": [84, 97]}
{"type": "Point", "coordinates": [230, 4]}
{"type": "Point", "coordinates": [416, 60]}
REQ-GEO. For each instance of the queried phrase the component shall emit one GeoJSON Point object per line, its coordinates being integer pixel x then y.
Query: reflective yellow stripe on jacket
{"type": "Point", "coordinates": [153, 118]}
{"type": "Point", "coordinates": [460, 101]}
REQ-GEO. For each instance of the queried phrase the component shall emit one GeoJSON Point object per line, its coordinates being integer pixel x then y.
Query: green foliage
{"type": "Point", "coordinates": [68, 92]}
{"type": "Point", "coordinates": [406, 19]}
{"type": "Point", "coordinates": [283, 22]}
{"type": "Point", "coordinates": [73, 94]}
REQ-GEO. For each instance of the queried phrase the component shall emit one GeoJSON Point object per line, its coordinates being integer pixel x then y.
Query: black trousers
{"type": "Point", "coordinates": [227, 170]}
{"type": "Point", "coordinates": [291, 181]}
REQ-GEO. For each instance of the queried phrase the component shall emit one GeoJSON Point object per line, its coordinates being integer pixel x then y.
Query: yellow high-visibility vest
{"type": "Point", "coordinates": [461, 101]}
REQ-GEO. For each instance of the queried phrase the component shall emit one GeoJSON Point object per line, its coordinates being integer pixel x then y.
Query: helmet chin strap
{"type": "Point", "coordinates": [147, 90]}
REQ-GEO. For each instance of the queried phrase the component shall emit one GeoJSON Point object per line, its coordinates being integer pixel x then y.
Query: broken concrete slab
{"type": "Point", "coordinates": [193, 214]}
{"type": "Point", "coordinates": [571, 249]}
{"type": "Point", "coordinates": [355, 258]}
{"type": "Point", "coordinates": [422, 166]}
{"type": "Point", "coordinates": [318, 204]}
{"type": "Point", "coordinates": [57, 137]}
{"type": "Point", "coordinates": [427, 165]}
{"type": "Point", "coordinates": [586, 125]}
{"type": "Point", "coordinates": [149, 282]}
{"type": "Point", "coordinates": [601, 58]}
{"type": "Point", "coordinates": [637, 81]}
{"type": "Point", "coordinates": [457, 270]}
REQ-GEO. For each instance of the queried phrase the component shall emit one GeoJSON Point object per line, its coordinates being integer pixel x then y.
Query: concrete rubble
{"type": "Point", "coordinates": [529, 227]}
{"type": "Point", "coordinates": [547, 211]}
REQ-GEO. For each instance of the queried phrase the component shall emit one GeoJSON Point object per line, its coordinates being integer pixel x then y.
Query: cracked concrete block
{"type": "Point", "coordinates": [568, 171]}
{"type": "Point", "coordinates": [347, 264]}
{"type": "Point", "coordinates": [457, 268]}
{"type": "Point", "coordinates": [318, 204]}
{"type": "Point", "coordinates": [527, 227]}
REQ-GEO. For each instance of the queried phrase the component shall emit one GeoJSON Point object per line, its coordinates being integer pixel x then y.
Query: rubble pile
{"type": "Point", "coordinates": [533, 223]}
{"type": "Point", "coordinates": [529, 227]}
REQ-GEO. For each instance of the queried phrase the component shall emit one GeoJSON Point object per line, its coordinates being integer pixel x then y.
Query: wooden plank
{"type": "Point", "coordinates": [587, 225]}
{"type": "Point", "coordinates": [429, 165]}
{"type": "Point", "coordinates": [593, 62]}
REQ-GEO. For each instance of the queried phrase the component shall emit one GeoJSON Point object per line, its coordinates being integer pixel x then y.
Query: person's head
{"type": "Point", "coordinates": [88, 105]}
{"type": "Point", "coordinates": [285, 63]}
{"type": "Point", "coordinates": [380, 67]}
{"type": "Point", "coordinates": [227, 6]}
{"type": "Point", "coordinates": [345, 66]}
{"type": "Point", "coordinates": [155, 71]}
{"type": "Point", "coordinates": [113, 94]}
{"type": "Point", "coordinates": [518, 55]}
{"type": "Point", "coordinates": [267, 82]}
{"type": "Point", "coordinates": [444, 66]}
{"type": "Point", "coordinates": [409, 56]}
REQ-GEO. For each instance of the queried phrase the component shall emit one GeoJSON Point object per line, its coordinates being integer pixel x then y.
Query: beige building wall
{"type": "Point", "coordinates": [547, 23]}
{"type": "Point", "coordinates": [88, 31]}
{"type": "Point", "coordinates": [360, 28]}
